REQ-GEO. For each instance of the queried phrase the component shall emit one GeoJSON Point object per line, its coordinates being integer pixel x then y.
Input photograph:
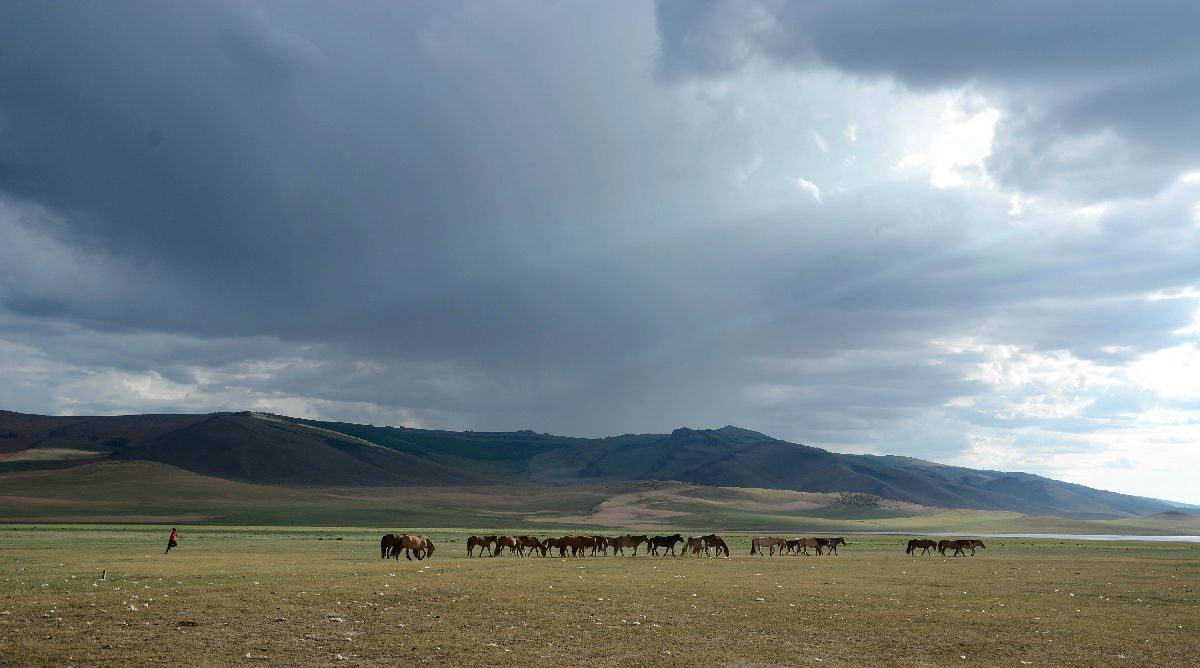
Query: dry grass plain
{"type": "Point", "coordinates": [300, 596]}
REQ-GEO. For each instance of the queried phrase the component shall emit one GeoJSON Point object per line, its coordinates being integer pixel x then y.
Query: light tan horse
{"type": "Point", "coordinates": [418, 546]}
{"type": "Point", "coordinates": [770, 543]}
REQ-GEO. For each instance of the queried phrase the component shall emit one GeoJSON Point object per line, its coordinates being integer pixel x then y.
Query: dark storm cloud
{"type": "Point", "coordinates": [475, 216]}
{"type": "Point", "coordinates": [1088, 84]}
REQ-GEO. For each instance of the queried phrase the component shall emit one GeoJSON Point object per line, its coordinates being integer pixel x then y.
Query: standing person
{"type": "Point", "coordinates": [173, 541]}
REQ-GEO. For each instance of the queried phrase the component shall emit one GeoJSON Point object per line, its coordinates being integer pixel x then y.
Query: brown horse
{"type": "Point", "coordinates": [531, 543]}
{"type": "Point", "coordinates": [958, 546]}
{"type": "Point", "coordinates": [484, 544]}
{"type": "Point", "coordinates": [770, 542]}
{"type": "Point", "coordinates": [716, 542]}
{"type": "Point", "coordinates": [386, 543]}
{"type": "Point", "coordinates": [503, 542]}
{"type": "Point", "coordinates": [695, 545]}
{"type": "Point", "coordinates": [619, 543]}
{"type": "Point", "coordinates": [579, 545]}
{"type": "Point", "coordinates": [800, 546]}
{"type": "Point", "coordinates": [666, 543]}
{"type": "Point", "coordinates": [920, 544]}
{"type": "Point", "coordinates": [555, 544]}
{"type": "Point", "coordinates": [601, 545]}
{"type": "Point", "coordinates": [830, 544]}
{"type": "Point", "coordinates": [412, 546]}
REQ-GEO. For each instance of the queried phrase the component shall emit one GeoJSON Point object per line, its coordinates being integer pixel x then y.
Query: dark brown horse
{"type": "Point", "coordinates": [830, 544]}
{"type": "Point", "coordinates": [554, 544]}
{"type": "Point", "coordinates": [958, 546]}
{"type": "Point", "coordinates": [666, 543]}
{"type": "Point", "coordinates": [386, 543]}
{"type": "Point", "coordinates": [484, 544]}
{"type": "Point", "coordinates": [716, 542]}
{"type": "Point", "coordinates": [619, 543]}
{"type": "Point", "coordinates": [503, 542]}
{"type": "Point", "coordinates": [695, 545]}
{"type": "Point", "coordinates": [579, 545]}
{"type": "Point", "coordinates": [924, 544]}
{"type": "Point", "coordinates": [770, 542]}
{"type": "Point", "coordinates": [531, 543]}
{"type": "Point", "coordinates": [601, 545]}
{"type": "Point", "coordinates": [801, 545]}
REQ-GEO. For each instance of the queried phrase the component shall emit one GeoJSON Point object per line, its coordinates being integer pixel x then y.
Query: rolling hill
{"type": "Point", "coordinates": [276, 450]}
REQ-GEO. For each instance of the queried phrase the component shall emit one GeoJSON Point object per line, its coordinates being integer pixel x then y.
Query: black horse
{"type": "Point", "coordinates": [830, 544]}
{"type": "Point", "coordinates": [665, 542]}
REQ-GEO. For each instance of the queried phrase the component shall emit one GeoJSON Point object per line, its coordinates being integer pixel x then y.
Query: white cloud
{"type": "Point", "coordinates": [959, 151]}
{"type": "Point", "coordinates": [912, 160]}
{"type": "Point", "coordinates": [820, 142]}
{"type": "Point", "coordinates": [1173, 373]}
{"type": "Point", "coordinates": [809, 187]}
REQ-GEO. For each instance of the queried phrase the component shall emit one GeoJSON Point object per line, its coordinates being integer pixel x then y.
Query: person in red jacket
{"type": "Point", "coordinates": [173, 541]}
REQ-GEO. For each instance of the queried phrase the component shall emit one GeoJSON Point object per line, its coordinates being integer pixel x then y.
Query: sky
{"type": "Point", "coordinates": [966, 232]}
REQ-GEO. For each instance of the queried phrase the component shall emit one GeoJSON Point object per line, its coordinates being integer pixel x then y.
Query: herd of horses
{"type": "Point", "coordinates": [795, 546]}
{"type": "Point", "coordinates": [925, 545]}
{"type": "Point", "coordinates": [579, 546]}
{"type": "Point", "coordinates": [392, 545]}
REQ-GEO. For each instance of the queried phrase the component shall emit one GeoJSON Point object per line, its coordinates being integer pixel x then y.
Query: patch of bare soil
{"type": "Point", "coordinates": [629, 509]}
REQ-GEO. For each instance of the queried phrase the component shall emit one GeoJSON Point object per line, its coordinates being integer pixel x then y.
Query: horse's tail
{"type": "Point", "coordinates": [753, 547]}
{"type": "Point", "coordinates": [910, 548]}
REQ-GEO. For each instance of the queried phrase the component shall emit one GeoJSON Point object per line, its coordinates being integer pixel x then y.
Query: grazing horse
{"type": "Point", "coordinates": [716, 542]}
{"type": "Point", "coordinates": [418, 546]}
{"type": "Point", "coordinates": [619, 543]}
{"type": "Point", "coordinates": [770, 543]}
{"type": "Point", "coordinates": [830, 544]}
{"type": "Point", "coordinates": [503, 542]}
{"type": "Point", "coordinates": [386, 543]}
{"type": "Point", "coordinates": [554, 544]}
{"type": "Point", "coordinates": [920, 544]}
{"type": "Point", "coordinates": [482, 542]}
{"type": "Point", "coordinates": [532, 544]}
{"type": "Point", "coordinates": [666, 543]}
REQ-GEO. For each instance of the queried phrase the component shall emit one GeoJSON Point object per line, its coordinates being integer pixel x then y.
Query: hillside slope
{"type": "Point", "coordinates": [259, 448]}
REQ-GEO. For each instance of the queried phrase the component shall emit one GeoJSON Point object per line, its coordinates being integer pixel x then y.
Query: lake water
{"type": "Point", "coordinates": [1049, 536]}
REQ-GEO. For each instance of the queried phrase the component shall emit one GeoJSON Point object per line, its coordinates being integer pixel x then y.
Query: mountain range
{"type": "Point", "coordinates": [269, 449]}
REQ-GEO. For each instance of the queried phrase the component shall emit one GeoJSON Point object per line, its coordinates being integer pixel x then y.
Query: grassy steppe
{"type": "Point", "coordinates": [305, 596]}
{"type": "Point", "coordinates": [147, 492]}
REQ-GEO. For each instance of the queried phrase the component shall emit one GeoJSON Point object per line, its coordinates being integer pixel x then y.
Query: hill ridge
{"type": "Point", "coordinates": [274, 449]}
